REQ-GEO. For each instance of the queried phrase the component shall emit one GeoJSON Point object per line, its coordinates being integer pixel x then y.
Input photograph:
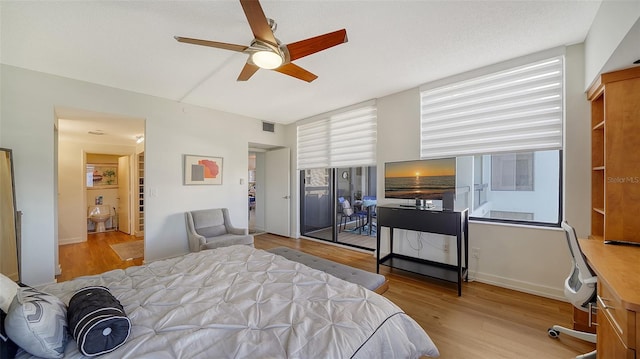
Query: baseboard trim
{"type": "Point", "coordinates": [521, 286]}
{"type": "Point", "coordinates": [71, 240]}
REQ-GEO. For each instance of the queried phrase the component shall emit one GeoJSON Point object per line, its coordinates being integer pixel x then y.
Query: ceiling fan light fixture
{"type": "Point", "coordinates": [267, 59]}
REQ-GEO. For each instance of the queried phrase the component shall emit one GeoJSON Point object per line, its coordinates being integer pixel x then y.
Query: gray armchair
{"type": "Point", "coordinates": [212, 228]}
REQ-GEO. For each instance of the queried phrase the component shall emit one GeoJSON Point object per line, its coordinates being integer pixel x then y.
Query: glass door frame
{"type": "Point", "coordinates": [333, 207]}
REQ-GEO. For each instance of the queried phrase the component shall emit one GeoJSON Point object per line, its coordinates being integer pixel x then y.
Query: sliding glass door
{"type": "Point", "coordinates": [316, 205]}
{"type": "Point", "coordinates": [338, 205]}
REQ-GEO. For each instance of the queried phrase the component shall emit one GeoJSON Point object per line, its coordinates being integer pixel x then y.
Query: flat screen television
{"type": "Point", "coordinates": [420, 179]}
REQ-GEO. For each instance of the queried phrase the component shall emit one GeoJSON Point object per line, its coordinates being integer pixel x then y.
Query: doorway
{"type": "Point", "coordinates": [270, 186]}
{"type": "Point", "coordinates": [256, 220]}
{"type": "Point", "coordinates": [339, 205]}
{"type": "Point", "coordinates": [99, 168]}
{"type": "Point", "coordinates": [107, 192]}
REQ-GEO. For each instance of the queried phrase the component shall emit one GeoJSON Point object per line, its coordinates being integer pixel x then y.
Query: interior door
{"type": "Point", "coordinates": [124, 195]}
{"type": "Point", "coordinates": [9, 254]}
{"type": "Point", "coordinates": [277, 192]}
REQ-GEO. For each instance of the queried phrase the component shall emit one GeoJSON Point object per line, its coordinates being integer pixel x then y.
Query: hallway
{"type": "Point", "coordinates": [94, 256]}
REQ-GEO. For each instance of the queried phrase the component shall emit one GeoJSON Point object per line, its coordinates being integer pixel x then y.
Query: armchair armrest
{"type": "Point", "coordinates": [195, 240]}
{"type": "Point", "coordinates": [238, 231]}
{"type": "Point", "coordinates": [230, 228]}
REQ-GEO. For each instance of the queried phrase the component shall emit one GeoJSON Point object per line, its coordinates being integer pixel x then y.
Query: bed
{"type": "Point", "coordinates": [242, 302]}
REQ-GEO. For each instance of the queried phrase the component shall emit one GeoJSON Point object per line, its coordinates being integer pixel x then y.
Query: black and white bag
{"type": "Point", "coordinates": [97, 321]}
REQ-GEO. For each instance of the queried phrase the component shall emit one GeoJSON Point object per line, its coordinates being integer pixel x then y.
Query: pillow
{"type": "Point", "coordinates": [97, 321]}
{"type": "Point", "coordinates": [37, 322]}
{"type": "Point", "coordinates": [8, 289]}
{"type": "Point", "coordinates": [8, 348]}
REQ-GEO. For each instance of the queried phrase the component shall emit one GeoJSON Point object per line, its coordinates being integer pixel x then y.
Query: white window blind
{"type": "Point", "coordinates": [519, 109]}
{"type": "Point", "coordinates": [313, 145]}
{"type": "Point", "coordinates": [343, 139]}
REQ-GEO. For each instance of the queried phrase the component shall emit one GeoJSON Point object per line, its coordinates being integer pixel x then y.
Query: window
{"type": "Point", "coordinates": [512, 172]}
{"type": "Point", "coordinates": [535, 201]}
{"type": "Point", "coordinates": [317, 179]}
{"type": "Point", "coordinates": [504, 125]}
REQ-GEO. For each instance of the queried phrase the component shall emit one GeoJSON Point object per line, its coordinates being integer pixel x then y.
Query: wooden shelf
{"type": "Point", "coordinates": [140, 214]}
{"type": "Point", "coordinates": [427, 268]}
{"type": "Point", "coordinates": [615, 156]}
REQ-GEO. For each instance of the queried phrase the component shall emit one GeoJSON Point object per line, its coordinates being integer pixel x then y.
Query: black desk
{"type": "Point", "coordinates": [420, 219]}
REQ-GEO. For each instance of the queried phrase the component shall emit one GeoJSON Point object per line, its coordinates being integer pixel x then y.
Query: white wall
{"type": "Point", "coordinates": [577, 146]}
{"type": "Point", "coordinates": [610, 26]}
{"type": "Point", "coordinates": [261, 178]}
{"type": "Point", "coordinates": [530, 259]}
{"type": "Point", "coordinates": [294, 180]}
{"type": "Point", "coordinates": [172, 130]}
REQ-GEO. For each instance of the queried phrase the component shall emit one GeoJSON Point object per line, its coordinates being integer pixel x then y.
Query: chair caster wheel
{"type": "Point", "coordinates": [553, 333]}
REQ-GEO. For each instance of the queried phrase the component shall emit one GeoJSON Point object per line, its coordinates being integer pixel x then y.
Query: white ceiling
{"type": "Point", "coordinates": [107, 129]}
{"type": "Point", "coordinates": [393, 46]}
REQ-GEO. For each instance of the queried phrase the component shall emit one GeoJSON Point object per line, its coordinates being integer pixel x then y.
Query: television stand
{"type": "Point", "coordinates": [433, 208]}
{"type": "Point", "coordinates": [421, 219]}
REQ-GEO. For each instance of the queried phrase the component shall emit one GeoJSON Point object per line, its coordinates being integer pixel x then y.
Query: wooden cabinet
{"type": "Point", "coordinates": [615, 203]}
{"type": "Point", "coordinates": [609, 344]}
{"type": "Point", "coordinates": [618, 327]}
{"type": "Point", "coordinates": [615, 156]}
{"type": "Point", "coordinates": [582, 322]}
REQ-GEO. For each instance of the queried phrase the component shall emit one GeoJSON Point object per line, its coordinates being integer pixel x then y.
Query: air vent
{"type": "Point", "coordinates": [268, 127]}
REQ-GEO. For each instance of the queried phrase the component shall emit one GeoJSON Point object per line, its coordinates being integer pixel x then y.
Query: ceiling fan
{"type": "Point", "coordinates": [267, 52]}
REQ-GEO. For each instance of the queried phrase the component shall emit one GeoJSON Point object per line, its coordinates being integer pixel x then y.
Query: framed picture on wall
{"type": "Point", "coordinates": [202, 170]}
{"type": "Point", "coordinates": [102, 175]}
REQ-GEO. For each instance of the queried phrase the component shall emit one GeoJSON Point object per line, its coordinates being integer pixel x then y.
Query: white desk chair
{"type": "Point", "coordinates": [579, 288]}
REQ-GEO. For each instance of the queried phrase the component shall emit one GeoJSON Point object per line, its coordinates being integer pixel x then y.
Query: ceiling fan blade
{"type": "Point", "coordinates": [314, 44]}
{"type": "Point", "coordinates": [258, 21]}
{"type": "Point", "coordinates": [296, 71]}
{"type": "Point", "coordinates": [247, 71]}
{"type": "Point", "coordinates": [220, 45]}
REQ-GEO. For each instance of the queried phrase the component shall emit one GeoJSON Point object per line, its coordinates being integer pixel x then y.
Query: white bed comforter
{"type": "Point", "coordinates": [240, 302]}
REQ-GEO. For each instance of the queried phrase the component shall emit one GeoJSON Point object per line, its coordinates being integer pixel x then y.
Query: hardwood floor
{"type": "Point", "coordinates": [93, 256]}
{"type": "Point", "coordinates": [485, 322]}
